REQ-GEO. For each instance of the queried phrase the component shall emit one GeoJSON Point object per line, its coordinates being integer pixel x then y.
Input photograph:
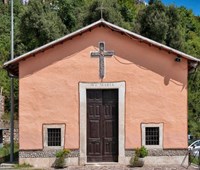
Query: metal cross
{"type": "Point", "coordinates": [101, 8]}
{"type": "Point", "coordinates": [101, 54]}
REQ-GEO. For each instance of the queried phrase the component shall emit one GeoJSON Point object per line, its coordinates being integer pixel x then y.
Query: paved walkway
{"type": "Point", "coordinates": [93, 167]}
{"type": "Point", "coordinates": [175, 167]}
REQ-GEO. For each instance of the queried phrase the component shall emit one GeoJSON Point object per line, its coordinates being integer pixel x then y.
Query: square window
{"type": "Point", "coordinates": [152, 135]}
{"type": "Point", "coordinates": [54, 137]}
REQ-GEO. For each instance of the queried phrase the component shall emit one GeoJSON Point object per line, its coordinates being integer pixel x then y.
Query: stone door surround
{"type": "Point", "coordinates": [83, 117]}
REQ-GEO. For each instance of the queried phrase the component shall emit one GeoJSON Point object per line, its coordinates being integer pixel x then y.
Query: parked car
{"type": "Point", "coordinates": [195, 148]}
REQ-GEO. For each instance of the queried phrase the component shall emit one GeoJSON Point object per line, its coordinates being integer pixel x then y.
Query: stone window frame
{"type": "Point", "coordinates": [160, 126]}
{"type": "Point", "coordinates": [45, 135]}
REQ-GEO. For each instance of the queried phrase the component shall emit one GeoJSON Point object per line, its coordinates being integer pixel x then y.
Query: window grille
{"type": "Point", "coordinates": [152, 135]}
{"type": "Point", "coordinates": [54, 137]}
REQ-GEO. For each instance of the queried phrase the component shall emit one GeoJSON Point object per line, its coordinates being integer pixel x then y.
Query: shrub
{"type": "Point", "coordinates": [143, 152]}
{"type": "Point", "coordinates": [136, 160]}
{"type": "Point", "coordinates": [137, 152]}
{"type": "Point", "coordinates": [60, 158]}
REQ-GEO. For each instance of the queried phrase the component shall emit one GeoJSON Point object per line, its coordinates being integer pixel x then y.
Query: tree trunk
{"type": "Point", "coordinates": [5, 1]}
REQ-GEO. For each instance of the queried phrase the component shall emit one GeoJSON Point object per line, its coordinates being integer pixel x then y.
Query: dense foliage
{"type": "Point", "coordinates": [41, 21]}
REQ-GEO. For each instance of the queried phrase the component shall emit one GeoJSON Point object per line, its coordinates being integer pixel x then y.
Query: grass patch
{"type": "Point", "coordinates": [24, 165]}
{"type": "Point", "coordinates": [5, 152]}
{"type": "Point", "coordinates": [194, 160]}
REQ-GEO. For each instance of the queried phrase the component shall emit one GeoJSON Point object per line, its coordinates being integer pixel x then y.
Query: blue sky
{"type": "Point", "coordinates": [189, 4]}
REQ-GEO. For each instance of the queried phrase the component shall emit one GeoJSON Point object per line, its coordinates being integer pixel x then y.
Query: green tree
{"type": "Point", "coordinates": [42, 21]}
{"type": "Point", "coordinates": [71, 13]}
{"type": "Point", "coordinates": [174, 37]}
{"type": "Point", "coordinates": [190, 25]}
{"type": "Point", "coordinates": [39, 25]}
{"type": "Point", "coordinates": [5, 51]}
{"type": "Point", "coordinates": [153, 22]}
{"type": "Point", "coordinates": [129, 10]}
{"type": "Point", "coordinates": [194, 104]}
{"type": "Point", "coordinates": [112, 12]}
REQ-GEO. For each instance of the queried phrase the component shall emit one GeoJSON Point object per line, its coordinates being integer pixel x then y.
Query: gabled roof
{"type": "Point", "coordinates": [12, 65]}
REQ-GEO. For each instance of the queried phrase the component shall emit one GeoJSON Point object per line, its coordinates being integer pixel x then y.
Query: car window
{"type": "Point", "coordinates": [198, 143]}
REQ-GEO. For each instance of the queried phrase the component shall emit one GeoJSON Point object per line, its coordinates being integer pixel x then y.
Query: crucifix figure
{"type": "Point", "coordinates": [101, 54]}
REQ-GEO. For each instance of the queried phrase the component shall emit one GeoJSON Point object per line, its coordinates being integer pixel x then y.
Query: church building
{"type": "Point", "coordinates": [103, 91]}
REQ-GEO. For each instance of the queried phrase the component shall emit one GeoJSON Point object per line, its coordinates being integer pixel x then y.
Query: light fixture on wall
{"type": "Point", "coordinates": [177, 59]}
{"type": "Point", "coordinates": [193, 64]}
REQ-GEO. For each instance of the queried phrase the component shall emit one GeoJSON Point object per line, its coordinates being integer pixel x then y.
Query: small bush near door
{"type": "Point", "coordinates": [137, 159]}
{"type": "Point", "coordinates": [142, 152]}
{"type": "Point", "coordinates": [60, 158]}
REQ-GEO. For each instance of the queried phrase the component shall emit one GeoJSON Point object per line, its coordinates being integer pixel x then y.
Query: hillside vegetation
{"type": "Point", "coordinates": [41, 21]}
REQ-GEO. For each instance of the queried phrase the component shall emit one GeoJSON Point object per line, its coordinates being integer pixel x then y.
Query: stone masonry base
{"type": "Point", "coordinates": [45, 159]}
{"type": "Point", "coordinates": [47, 162]}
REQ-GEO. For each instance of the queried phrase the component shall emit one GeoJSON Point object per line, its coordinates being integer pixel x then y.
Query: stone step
{"type": "Point", "coordinates": [102, 164]}
{"type": "Point", "coordinates": [6, 165]}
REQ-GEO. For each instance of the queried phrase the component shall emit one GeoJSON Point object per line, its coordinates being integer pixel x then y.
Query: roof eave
{"type": "Point", "coordinates": [8, 65]}
{"type": "Point", "coordinates": [189, 57]}
{"type": "Point", "coordinates": [42, 48]}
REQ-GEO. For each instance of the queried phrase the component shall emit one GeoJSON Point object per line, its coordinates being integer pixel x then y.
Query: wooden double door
{"type": "Point", "coordinates": [102, 125]}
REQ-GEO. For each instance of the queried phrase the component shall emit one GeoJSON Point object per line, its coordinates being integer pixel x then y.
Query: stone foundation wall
{"type": "Point", "coordinates": [5, 125]}
{"type": "Point", "coordinates": [162, 157]}
{"type": "Point", "coordinates": [6, 135]}
{"type": "Point", "coordinates": [47, 157]}
{"type": "Point", "coordinates": [46, 154]}
{"type": "Point", "coordinates": [160, 152]}
{"type": "Point", "coordinates": [46, 163]}
{"type": "Point", "coordinates": [76, 153]}
{"type": "Point", "coordinates": [155, 157]}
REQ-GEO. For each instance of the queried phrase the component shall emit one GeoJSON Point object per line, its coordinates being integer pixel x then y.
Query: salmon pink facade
{"type": "Point", "coordinates": [152, 98]}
